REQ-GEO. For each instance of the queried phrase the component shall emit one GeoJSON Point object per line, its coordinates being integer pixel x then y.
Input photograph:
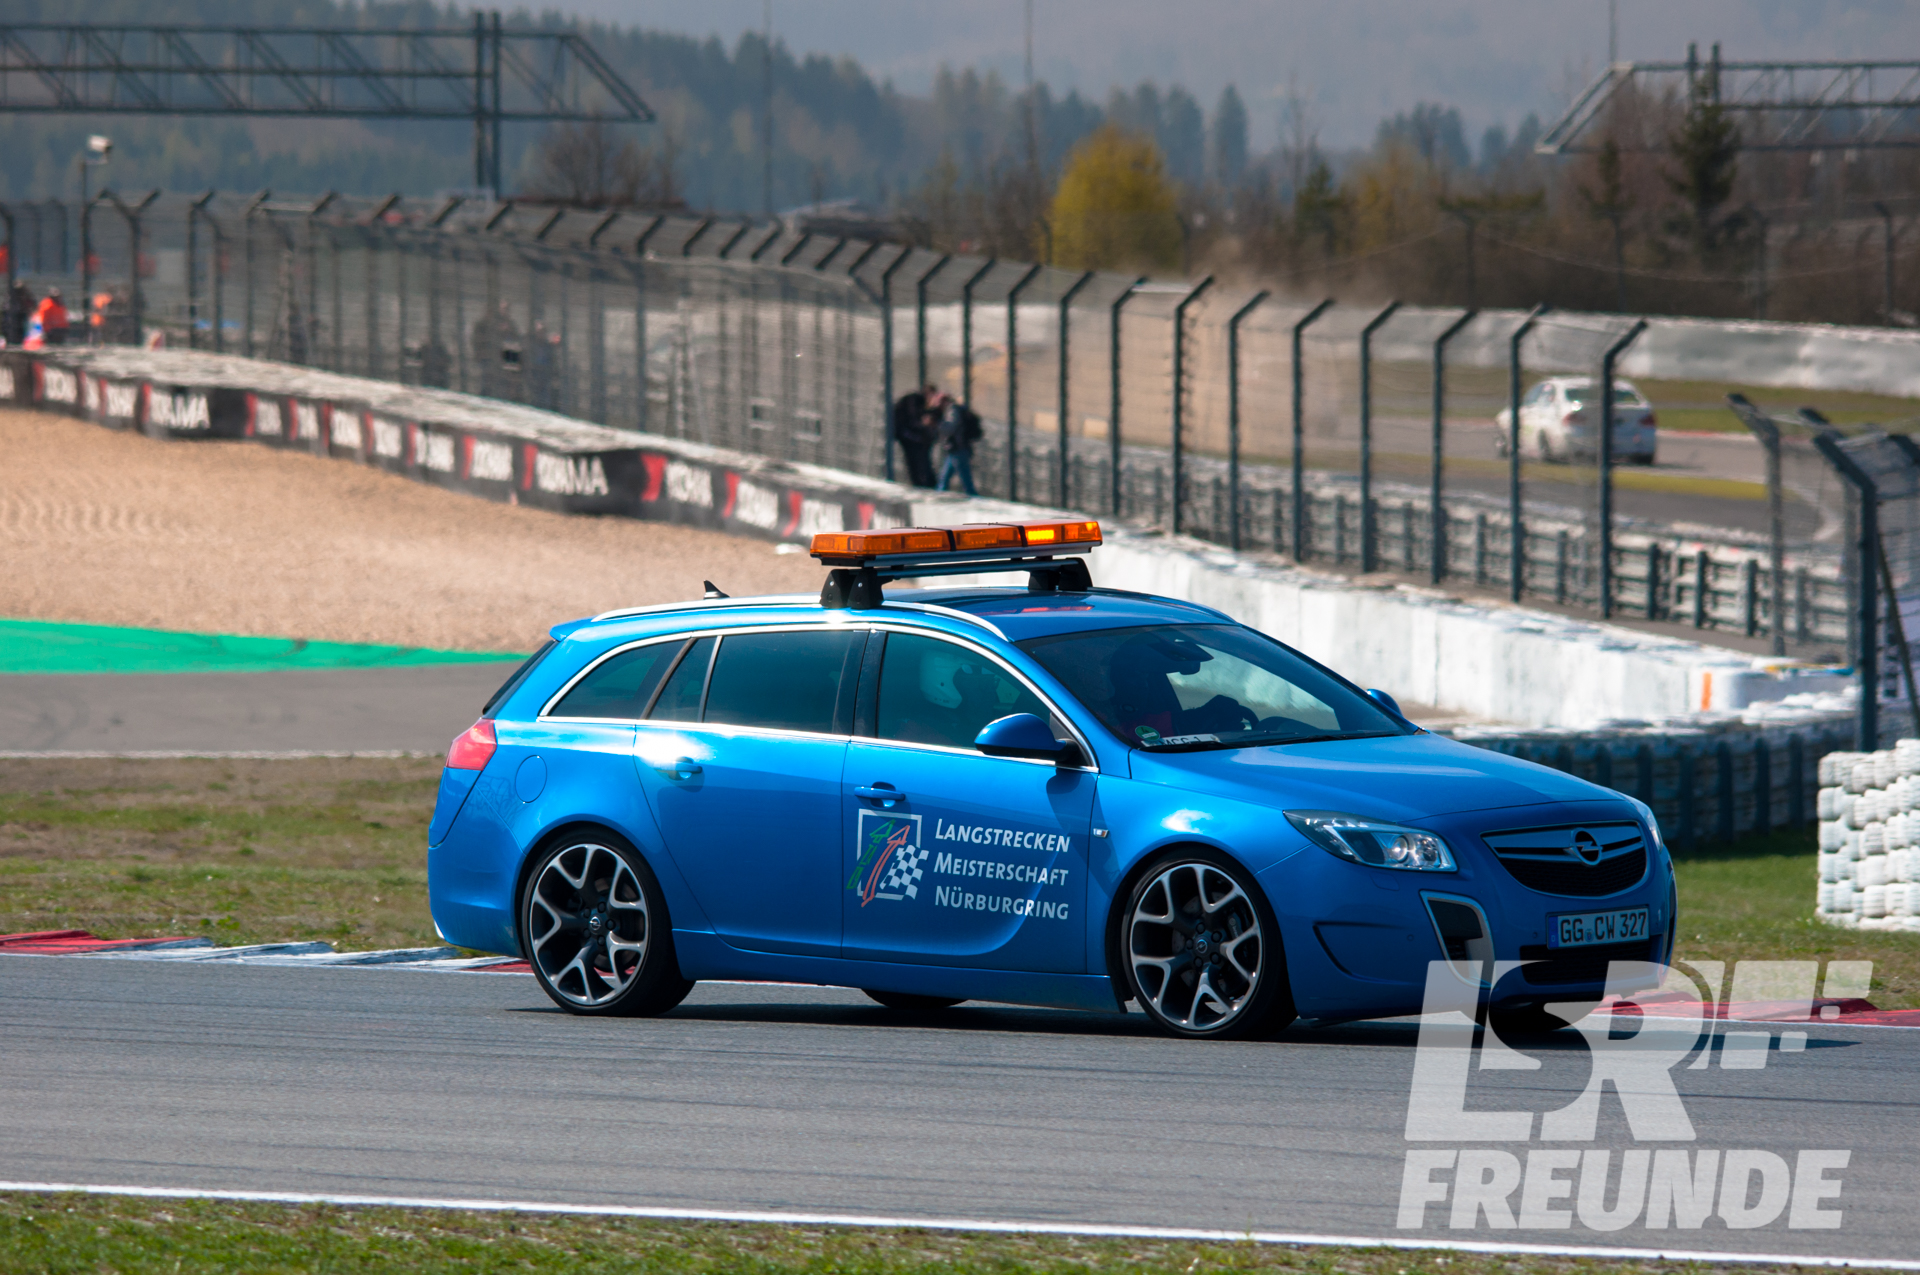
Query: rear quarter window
{"type": "Point", "coordinates": [619, 686]}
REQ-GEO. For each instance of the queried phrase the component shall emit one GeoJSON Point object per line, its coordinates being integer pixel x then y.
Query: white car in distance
{"type": "Point", "coordinates": [1560, 421]}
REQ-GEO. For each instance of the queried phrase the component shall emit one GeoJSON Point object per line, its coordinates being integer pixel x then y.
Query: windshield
{"type": "Point", "coordinates": [1623, 395]}
{"type": "Point", "coordinates": [1191, 686]}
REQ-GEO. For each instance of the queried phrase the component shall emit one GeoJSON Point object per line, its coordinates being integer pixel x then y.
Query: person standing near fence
{"type": "Point", "coordinates": [915, 430]}
{"type": "Point", "coordinates": [52, 318]}
{"type": "Point", "coordinates": [960, 429]}
{"type": "Point", "coordinates": [19, 311]}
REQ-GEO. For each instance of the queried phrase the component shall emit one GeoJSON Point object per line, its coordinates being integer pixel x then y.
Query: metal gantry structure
{"type": "Point", "coordinates": [1782, 106]}
{"type": "Point", "coordinates": [488, 73]}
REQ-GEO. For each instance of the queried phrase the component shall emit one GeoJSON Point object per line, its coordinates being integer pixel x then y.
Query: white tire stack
{"type": "Point", "coordinates": [1869, 866]}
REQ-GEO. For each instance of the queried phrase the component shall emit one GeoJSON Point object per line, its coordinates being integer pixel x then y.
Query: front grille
{"type": "Point", "coordinates": [1553, 968]}
{"type": "Point", "coordinates": [1550, 860]}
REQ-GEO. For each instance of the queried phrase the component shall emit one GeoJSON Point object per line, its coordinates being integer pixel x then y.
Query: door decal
{"type": "Point", "coordinates": [891, 861]}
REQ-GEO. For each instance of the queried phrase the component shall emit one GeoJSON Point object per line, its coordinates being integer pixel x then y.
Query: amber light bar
{"type": "Point", "coordinates": [936, 544]}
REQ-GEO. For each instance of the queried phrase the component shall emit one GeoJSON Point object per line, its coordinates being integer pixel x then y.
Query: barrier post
{"type": "Point", "coordinates": [1233, 417]}
{"type": "Point", "coordinates": [246, 229]}
{"type": "Point", "coordinates": [1066, 302]}
{"type": "Point", "coordinates": [1516, 524]}
{"type": "Point", "coordinates": [6, 215]}
{"type": "Point", "coordinates": [1761, 426]}
{"type": "Point", "coordinates": [1866, 655]}
{"type": "Point", "coordinates": [1299, 456]}
{"type": "Point", "coordinates": [1013, 381]}
{"type": "Point", "coordinates": [1177, 478]}
{"type": "Point", "coordinates": [1437, 512]}
{"type": "Point", "coordinates": [1607, 360]}
{"type": "Point", "coordinates": [966, 330]}
{"type": "Point", "coordinates": [886, 354]}
{"type": "Point", "coordinates": [1113, 395]}
{"type": "Point", "coordinates": [1367, 530]}
{"type": "Point", "coordinates": [920, 317]}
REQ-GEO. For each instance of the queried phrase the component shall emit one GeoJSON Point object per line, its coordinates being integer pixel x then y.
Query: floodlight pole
{"type": "Point", "coordinates": [1614, 351]}
{"type": "Point", "coordinates": [1516, 527]}
{"type": "Point", "coordinates": [1233, 417]}
{"type": "Point", "coordinates": [1367, 548]}
{"type": "Point", "coordinates": [1299, 457]}
{"type": "Point", "coordinates": [1437, 512]}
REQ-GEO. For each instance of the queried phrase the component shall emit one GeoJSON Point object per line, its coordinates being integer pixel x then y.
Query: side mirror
{"type": "Point", "coordinates": [1024, 735]}
{"type": "Point", "coordinates": [1385, 701]}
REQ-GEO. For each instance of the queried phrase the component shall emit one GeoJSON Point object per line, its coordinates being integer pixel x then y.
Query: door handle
{"type": "Point", "coordinates": [885, 794]}
{"type": "Point", "coordinates": [685, 768]}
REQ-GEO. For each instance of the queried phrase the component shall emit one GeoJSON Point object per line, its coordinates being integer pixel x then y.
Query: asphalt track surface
{"type": "Point", "coordinates": [345, 710]}
{"type": "Point", "coordinates": [472, 1086]}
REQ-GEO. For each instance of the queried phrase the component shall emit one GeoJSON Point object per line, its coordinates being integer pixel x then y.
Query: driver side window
{"type": "Point", "coordinates": [938, 692]}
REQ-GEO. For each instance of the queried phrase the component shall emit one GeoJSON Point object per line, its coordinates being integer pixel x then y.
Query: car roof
{"type": "Point", "coordinates": [1012, 613]}
{"type": "Point", "coordinates": [1586, 382]}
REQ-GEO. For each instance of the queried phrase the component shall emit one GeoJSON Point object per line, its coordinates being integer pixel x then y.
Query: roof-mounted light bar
{"type": "Point", "coordinates": [865, 560]}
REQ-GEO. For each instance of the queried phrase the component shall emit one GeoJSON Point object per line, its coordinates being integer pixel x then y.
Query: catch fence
{"type": "Point", "coordinates": [1367, 438]}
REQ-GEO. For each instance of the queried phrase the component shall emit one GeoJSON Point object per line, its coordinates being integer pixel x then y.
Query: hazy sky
{"type": "Point", "coordinates": [1354, 60]}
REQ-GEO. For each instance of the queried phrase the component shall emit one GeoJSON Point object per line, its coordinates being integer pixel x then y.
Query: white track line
{"type": "Point", "coordinates": [189, 754]}
{"type": "Point", "coordinates": [961, 1224]}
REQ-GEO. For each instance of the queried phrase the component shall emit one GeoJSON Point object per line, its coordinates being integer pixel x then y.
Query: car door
{"type": "Point", "coordinates": [741, 756]}
{"type": "Point", "coordinates": [952, 857]}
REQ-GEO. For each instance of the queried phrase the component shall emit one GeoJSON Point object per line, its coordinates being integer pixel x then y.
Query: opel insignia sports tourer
{"type": "Point", "coordinates": [1054, 795]}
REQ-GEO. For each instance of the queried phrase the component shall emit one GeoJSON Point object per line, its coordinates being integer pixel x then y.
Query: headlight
{"type": "Point", "coordinates": [1369, 841]}
{"type": "Point", "coordinates": [1653, 824]}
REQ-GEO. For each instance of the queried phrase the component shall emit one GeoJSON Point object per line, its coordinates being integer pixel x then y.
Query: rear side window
{"type": "Point", "coordinates": [680, 698]}
{"type": "Point", "coordinates": [520, 675]}
{"type": "Point", "coordinates": [784, 681]}
{"type": "Point", "coordinates": [620, 686]}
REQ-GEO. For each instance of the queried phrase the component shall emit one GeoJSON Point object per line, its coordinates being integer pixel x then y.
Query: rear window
{"type": "Point", "coordinates": [1623, 396]}
{"type": "Point", "coordinates": [620, 686]}
{"type": "Point", "coordinates": [520, 675]}
{"type": "Point", "coordinates": [784, 681]}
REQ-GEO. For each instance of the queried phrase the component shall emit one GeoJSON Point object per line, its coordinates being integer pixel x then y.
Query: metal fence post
{"type": "Point", "coordinates": [6, 215]}
{"type": "Point", "coordinates": [1299, 457]}
{"type": "Point", "coordinates": [1606, 463]}
{"type": "Point", "coordinates": [966, 330]}
{"type": "Point", "coordinates": [1233, 417]}
{"type": "Point", "coordinates": [1867, 652]}
{"type": "Point", "coordinates": [1516, 525]}
{"type": "Point", "coordinates": [1013, 381]}
{"type": "Point", "coordinates": [1179, 388]}
{"type": "Point", "coordinates": [1113, 395]}
{"type": "Point", "coordinates": [886, 353]}
{"type": "Point", "coordinates": [1762, 427]}
{"type": "Point", "coordinates": [1066, 302]}
{"type": "Point", "coordinates": [246, 229]}
{"type": "Point", "coordinates": [920, 318]}
{"type": "Point", "coordinates": [1437, 512]}
{"type": "Point", "coordinates": [1367, 530]}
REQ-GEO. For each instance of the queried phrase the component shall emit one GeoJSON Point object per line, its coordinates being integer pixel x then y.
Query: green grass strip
{"type": "Point", "coordinates": [44, 646]}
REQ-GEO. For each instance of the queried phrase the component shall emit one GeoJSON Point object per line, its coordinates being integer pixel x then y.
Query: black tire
{"type": "Point", "coordinates": [1201, 950]}
{"type": "Point", "coordinates": [597, 932]}
{"type": "Point", "coordinates": [909, 1003]}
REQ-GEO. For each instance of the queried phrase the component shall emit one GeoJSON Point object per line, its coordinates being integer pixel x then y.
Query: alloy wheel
{"type": "Point", "coordinates": [587, 924]}
{"type": "Point", "coordinates": [1195, 947]}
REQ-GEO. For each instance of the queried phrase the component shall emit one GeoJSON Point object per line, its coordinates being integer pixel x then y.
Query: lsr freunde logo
{"type": "Point", "coordinates": [1561, 1179]}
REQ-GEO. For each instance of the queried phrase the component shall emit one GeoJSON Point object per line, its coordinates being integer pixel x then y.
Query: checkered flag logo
{"type": "Point", "coordinates": [904, 873]}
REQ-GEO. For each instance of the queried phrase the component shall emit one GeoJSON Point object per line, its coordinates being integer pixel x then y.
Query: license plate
{"type": "Point", "coordinates": [1589, 929]}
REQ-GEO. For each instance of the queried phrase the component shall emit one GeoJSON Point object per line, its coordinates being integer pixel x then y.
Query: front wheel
{"type": "Point", "coordinates": [597, 932]}
{"type": "Point", "coordinates": [1202, 951]}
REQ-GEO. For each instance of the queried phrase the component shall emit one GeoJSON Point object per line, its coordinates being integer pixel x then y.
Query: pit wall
{"type": "Point", "coordinates": [1497, 663]}
{"type": "Point", "coordinates": [1869, 808]}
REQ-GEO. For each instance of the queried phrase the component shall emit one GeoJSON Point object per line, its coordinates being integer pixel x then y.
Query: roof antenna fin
{"type": "Point", "coordinates": [713, 590]}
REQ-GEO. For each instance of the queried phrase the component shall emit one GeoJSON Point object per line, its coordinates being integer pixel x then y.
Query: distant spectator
{"type": "Point", "coordinates": [296, 333]}
{"type": "Point", "coordinates": [542, 365]}
{"type": "Point", "coordinates": [960, 429]}
{"type": "Point", "coordinates": [19, 312]}
{"type": "Point", "coordinates": [436, 364]}
{"type": "Point", "coordinates": [496, 349]}
{"type": "Point", "coordinates": [52, 319]}
{"type": "Point", "coordinates": [916, 430]}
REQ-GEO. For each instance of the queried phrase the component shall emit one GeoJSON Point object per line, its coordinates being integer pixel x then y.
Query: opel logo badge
{"type": "Point", "coordinates": [1586, 847]}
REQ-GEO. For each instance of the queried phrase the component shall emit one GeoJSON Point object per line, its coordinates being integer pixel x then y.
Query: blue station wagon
{"type": "Point", "coordinates": [1054, 795]}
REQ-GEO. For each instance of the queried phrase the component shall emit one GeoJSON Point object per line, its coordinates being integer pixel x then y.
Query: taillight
{"type": "Point", "coordinates": [1652, 420]}
{"type": "Point", "coordinates": [472, 747]}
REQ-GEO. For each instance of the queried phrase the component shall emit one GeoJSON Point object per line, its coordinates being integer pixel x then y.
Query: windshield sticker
{"type": "Point", "coordinates": [1147, 734]}
{"type": "Point", "coordinates": [891, 861]}
{"type": "Point", "coordinates": [1187, 739]}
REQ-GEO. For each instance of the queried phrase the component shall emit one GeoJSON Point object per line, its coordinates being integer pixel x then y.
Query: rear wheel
{"type": "Point", "coordinates": [1202, 950]}
{"type": "Point", "coordinates": [597, 932]}
{"type": "Point", "coordinates": [909, 1003]}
